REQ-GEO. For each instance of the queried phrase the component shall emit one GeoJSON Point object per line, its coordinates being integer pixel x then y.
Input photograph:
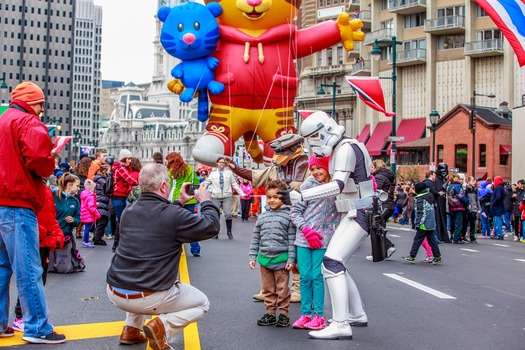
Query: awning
{"type": "Point", "coordinates": [481, 175]}
{"type": "Point", "coordinates": [411, 130]}
{"type": "Point", "coordinates": [376, 142]}
{"type": "Point", "coordinates": [505, 149]}
{"type": "Point", "coordinates": [365, 134]}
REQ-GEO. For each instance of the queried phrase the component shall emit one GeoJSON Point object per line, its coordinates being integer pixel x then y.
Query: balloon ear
{"type": "Point", "coordinates": [163, 13]}
{"type": "Point", "coordinates": [214, 8]}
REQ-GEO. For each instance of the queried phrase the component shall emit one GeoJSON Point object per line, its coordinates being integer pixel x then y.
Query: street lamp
{"type": "Point", "coordinates": [53, 125]}
{"type": "Point", "coordinates": [77, 137]}
{"type": "Point", "coordinates": [434, 118]}
{"type": "Point", "coordinates": [472, 126]}
{"type": "Point", "coordinates": [334, 87]}
{"type": "Point", "coordinates": [376, 55]}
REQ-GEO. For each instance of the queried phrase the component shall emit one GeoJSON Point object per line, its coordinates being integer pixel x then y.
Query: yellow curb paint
{"type": "Point", "coordinates": [113, 329]}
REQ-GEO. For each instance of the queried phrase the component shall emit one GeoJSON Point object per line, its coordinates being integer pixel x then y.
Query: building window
{"type": "Point", "coordinates": [447, 42]}
{"type": "Point", "coordinates": [504, 159]}
{"type": "Point", "coordinates": [461, 154]}
{"type": "Point", "coordinates": [480, 12]}
{"type": "Point", "coordinates": [440, 154]}
{"type": "Point", "coordinates": [415, 20]}
{"type": "Point", "coordinates": [482, 156]}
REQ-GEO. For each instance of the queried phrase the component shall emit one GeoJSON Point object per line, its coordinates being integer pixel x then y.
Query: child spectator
{"type": "Point", "coordinates": [103, 201]}
{"type": "Point", "coordinates": [273, 247]}
{"type": "Point", "coordinates": [473, 208]}
{"type": "Point", "coordinates": [425, 224]}
{"type": "Point", "coordinates": [497, 207]}
{"type": "Point", "coordinates": [67, 205]}
{"type": "Point", "coordinates": [317, 221]}
{"type": "Point", "coordinates": [246, 201]}
{"type": "Point", "coordinates": [484, 196]}
{"type": "Point", "coordinates": [88, 211]}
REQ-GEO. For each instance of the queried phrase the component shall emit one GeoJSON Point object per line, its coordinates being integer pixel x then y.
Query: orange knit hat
{"type": "Point", "coordinates": [28, 92]}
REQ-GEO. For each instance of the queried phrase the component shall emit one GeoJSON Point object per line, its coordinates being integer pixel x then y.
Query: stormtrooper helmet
{"type": "Point", "coordinates": [321, 132]}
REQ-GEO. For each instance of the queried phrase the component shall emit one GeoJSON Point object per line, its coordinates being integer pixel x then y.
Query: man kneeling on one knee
{"type": "Point", "coordinates": [142, 279]}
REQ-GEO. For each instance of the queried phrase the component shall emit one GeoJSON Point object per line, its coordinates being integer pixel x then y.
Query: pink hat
{"type": "Point", "coordinates": [320, 162]}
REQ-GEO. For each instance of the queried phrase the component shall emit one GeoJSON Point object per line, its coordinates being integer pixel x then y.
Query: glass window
{"type": "Point", "coordinates": [503, 159]}
{"type": "Point", "coordinates": [440, 154]}
{"type": "Point", "coordinates": [461, 153]}
{"type": "Point", "coordinates": [482, 156]}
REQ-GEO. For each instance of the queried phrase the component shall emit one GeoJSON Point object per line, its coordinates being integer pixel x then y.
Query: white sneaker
{"type": "Point", "coordinates": [390, 251]}
{"type": "Point", "coordinates": [369, 257]}
{"type": "Point", "coordinates": [336, 330]}
{"type": "Point", "coordinates": [516, 238]}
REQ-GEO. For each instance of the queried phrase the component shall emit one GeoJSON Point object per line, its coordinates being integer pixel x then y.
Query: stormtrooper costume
{"type": "Point", "coordinates": [350, 169]}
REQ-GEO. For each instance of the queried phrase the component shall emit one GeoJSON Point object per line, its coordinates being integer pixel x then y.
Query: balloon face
{"type": "Point", "coordinates": [190, 31]}
{"type": "Point", "coordinates": [257, 14]}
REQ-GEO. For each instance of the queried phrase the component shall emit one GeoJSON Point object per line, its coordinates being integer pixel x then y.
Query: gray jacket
{"type": "Point", "coordinates": [425, 215]}
{"type": "Point", "coordinates": [274, 234]}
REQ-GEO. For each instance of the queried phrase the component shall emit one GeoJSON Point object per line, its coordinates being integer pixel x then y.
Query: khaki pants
{"type": "Point", "coordinates": [177, 307]}
{"type": "Point", "coordinates": [275, 290]}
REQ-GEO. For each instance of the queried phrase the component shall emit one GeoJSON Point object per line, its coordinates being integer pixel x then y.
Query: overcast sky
{"type": "Point", "coordinates": [128, 29]}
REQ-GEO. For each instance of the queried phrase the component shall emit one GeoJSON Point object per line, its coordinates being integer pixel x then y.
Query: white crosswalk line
{"type": "Point", "coordinates": [470, 250]}
{"type": "Point", "coordinates": [397, 236]}
{"type": "Point", "coordinates": [522, 260]}
{"type": "Point", "coordinates": [501, 245]}
{"type": "Point", "coordinates": [419, 286]}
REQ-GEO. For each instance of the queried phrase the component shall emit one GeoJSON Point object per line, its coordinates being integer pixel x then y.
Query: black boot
{"type": "Point", "coordinates": [229, 228]}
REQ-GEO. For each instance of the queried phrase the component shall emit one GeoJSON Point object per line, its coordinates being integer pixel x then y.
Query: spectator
{"type": "Point", "coordinates": [507, 203]}
{"type": "Point", "coordinates": [517, 198]}
{"type": "Point", "coordinates": [473, 208]}
{"type": "Point", "coordinates": [82, 170]}
{"type": "Point", "coordinates": [100, 158]}
{"type": "Point", "coordinates": [484, 196]}
{"type": "Point", "coordinates": [26, 151]}
{"type": "Point", "coordinates": [142, 286]}
{"type": "Point", "coordinates": [181, 173]}
{"type": "Point", "coordinates": [158, 158]}
{"type": "Point", "coordinates": [400, 201]}
{"type": "Point", "coordinates": [246, 201]}
{"type": "Point", "coordinates": [123, 183]}
{"type": "Point", "coordinates": [103, 201]}
{"type": "Point", "coordinates": [88, 211]}
{"type": "Point", "coordinates": [497, 207]}
{"type": "Point", "coordinates": [222, 182]}
{"type": "Point", "coordinates": [457, 205]}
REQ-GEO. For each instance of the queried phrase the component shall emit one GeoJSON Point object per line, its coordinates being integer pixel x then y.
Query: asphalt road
{"type": "Point", "coordinates": [474, 300]}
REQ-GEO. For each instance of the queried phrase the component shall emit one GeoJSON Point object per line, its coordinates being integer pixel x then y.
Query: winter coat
{"type": "Point", "coordinates": [49, 232]}
{"type": "Point", "coordinates": [273, 235]}
{"type": "Point", "coordinates": [431, 187]}
{"type": "Point", "coordinates": [248, 191]}
{"type": "Point", "coordinates": [88, 207]}
{"type": "Point", "coordinates": [497, 207]}
{"type": "Point", "coordinates": [520, 196]}
{"type": "Point", "coordinates": [507, 199]}
{"type": "Point", "coordinates": [102, 198]}
{"type": "Point", "coordinates": [425, 214]}
{"type": "Point", "coordinates": [385, 182]}
{"type": "Point", "coordinates": [69, 205]}
{"type": "Point", "coordinates": [320, 215]}
{"type": "Point", "coordinates": [122, 180]}
{"type": "Point", "coordinates": [400, 198]}
{"type": "Point", "coordinates": [521, 207]}
{"type": "Point", "coordinates": [472, 195]}
{"type": "Point", "coordinates": [457, 200]}
{"type": "Point", "coordinates": [25, 157]}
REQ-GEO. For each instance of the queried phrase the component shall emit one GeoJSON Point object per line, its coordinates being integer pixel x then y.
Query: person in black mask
{"type": "Point", "coordinates": [441, 183]}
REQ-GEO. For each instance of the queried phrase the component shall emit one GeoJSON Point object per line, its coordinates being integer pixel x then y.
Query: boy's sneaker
{"type": "Point", "coordinates": [88, 245]}
{"type": "Point", "coordinates": [284, 321]}
{"type": "Point", "coordinates": [437, 260]}
{"type": "Point", "coordinates": [304, 319]}
{"type": "Point", "coordinates": [316, 323]}
{"type": "Point", "coordinates": [8, 332]}
{"type": "Point", "coordinates": [390, 251]}
{"type": "Point", "coordinates": [267, 320]}
{"type": "Point", "coordinates": [52, 338]}
{"type": "Point", "coordinates": [428, 259]}
{"type": "Point", "coordinates": [409, 259]}
{"type": "Point", "coordinates": [18, 324]}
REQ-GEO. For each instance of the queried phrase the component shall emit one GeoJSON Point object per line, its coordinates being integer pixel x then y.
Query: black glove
{"type": "Point", "coordinates": [285, 196]}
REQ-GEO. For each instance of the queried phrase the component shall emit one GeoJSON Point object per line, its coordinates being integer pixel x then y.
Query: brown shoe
{"type": "Point", "coordinates": [131, 335]}
{"type": "Point", "coordinates": [155, 333]}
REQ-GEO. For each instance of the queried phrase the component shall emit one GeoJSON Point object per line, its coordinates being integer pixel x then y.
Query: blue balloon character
{"type": "Point", "coordinates": [190, 33]}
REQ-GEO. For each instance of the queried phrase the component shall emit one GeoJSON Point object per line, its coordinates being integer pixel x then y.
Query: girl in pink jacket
{"type": "Point", "coordinates": [246, 201]}
{"type": "Point", "coordinates": [88, 211]}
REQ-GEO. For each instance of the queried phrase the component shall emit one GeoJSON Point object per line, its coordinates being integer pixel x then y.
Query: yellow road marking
{"type": "Point", "coordinates": [112, 329]}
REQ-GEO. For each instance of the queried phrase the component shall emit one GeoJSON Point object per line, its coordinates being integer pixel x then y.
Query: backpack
{"type": "Point", "coordinates": [67, 259]}
{"type": "Point", "coordinates": [109, 184]}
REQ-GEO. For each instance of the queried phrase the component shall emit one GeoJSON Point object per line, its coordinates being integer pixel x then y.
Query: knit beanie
{"type": "Point", "coordinates": [28, 92]}
{"type": "Point", "coordinates": [420, 187]}
{"type": "Point", "coordinates": [320, 162]}
{"type": "Point", "coordinates": [124, 153]}
{"type": "Point", "coordinates": [89, 185]}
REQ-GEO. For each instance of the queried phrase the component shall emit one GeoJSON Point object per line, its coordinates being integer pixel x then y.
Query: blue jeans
{"type": "Point", "coordinates": [312, 284]}
{"type": "Point", "coordinates": [485, 225]}
{"type": "Point", "coordinates": [195, 247]}
{"type": "Point", "coordinates": [498, 226]}
{"type": "Point", "coordinates": [119, 204]}
{"type": "Point", "coordinates": [506, 220]}
{"type": "Point", "coordinates": [19, 254]}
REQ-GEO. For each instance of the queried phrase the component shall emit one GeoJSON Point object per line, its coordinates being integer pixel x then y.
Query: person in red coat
{"type": "Point", "coordinates": [50, 238]}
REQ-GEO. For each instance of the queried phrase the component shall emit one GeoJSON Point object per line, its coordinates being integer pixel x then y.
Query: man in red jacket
{"type": "Point", "coordinates": [25, 157]}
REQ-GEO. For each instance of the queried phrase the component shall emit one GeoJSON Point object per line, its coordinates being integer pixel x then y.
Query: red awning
{"type": "Point", "coordinates": [365, 134]}
{"type": "Point", "coordinates": [411, 129]}
{"type": "Point", "coordinates": [481, 175]}
{"type": "Point", "coordinates": [376, 142]}
{"type": "Point", "coordinates": [505, 149]}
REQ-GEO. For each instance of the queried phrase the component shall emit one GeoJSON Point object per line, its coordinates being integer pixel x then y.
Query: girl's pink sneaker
{"type": "Point", "coordinates": [304, 319]}
{"type": "Point", "coordinates": [316, 323]}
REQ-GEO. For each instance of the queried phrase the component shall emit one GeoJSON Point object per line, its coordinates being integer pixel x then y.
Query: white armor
{"type": "Point", "coordinates": [325, 138]}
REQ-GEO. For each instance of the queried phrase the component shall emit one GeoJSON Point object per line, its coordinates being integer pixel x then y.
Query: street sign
{"type": "Point", "coordinates": [432, 166]}
{"type": "Point", "coordinates": [395, 139]}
